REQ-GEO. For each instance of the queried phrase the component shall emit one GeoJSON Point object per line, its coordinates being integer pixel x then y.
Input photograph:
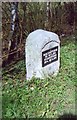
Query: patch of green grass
{"type": "Point", "coordinates": [38, 98]}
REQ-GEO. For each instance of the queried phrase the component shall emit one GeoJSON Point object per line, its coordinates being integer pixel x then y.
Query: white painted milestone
{"type": "Point", "coordinates": [42, 54]}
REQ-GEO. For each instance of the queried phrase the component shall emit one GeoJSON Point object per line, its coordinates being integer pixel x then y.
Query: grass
{"type": "Point", "coordinates": [38, 98]}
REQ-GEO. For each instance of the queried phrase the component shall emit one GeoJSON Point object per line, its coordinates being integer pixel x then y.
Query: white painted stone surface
{"type": "Point", "coordinates": [36, 43]}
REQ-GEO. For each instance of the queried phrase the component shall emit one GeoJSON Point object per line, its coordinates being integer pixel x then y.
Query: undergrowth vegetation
{"type": "Point", "coordinates": [38, 98]}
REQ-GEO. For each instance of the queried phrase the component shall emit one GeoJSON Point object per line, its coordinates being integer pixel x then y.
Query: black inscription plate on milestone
{"type": "Point", "coordinates": [49, 56]}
